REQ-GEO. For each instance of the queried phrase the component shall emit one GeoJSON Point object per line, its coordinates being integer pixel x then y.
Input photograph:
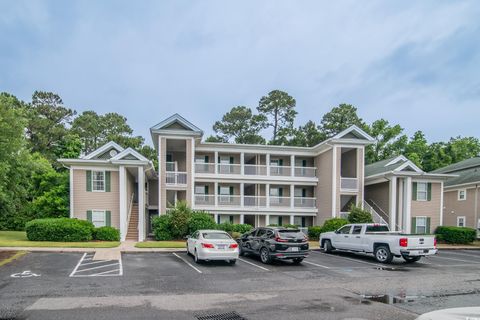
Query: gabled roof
{"type": "Point", "coordinates": [176, 122]}
{"type": "Point", "coordinates": [468, 176]}
{"type": "Point", "coordinates": [129, 154]}
{"type": "Point", "coordinates": [353, 132]}
{"type": "Point", "coordinates": [462, 165]}
{"type": "Point", "coordinates": [106, 147]}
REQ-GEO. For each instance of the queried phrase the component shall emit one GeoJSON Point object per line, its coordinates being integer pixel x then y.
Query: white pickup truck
{"type": "Point", "coordinates": [378, 239]}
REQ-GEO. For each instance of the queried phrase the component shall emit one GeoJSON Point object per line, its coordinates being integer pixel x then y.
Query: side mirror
{"type": "Point", "coordinates": [186, 237]}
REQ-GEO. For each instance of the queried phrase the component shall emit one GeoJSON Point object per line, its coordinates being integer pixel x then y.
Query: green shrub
{"type": "Point", "coordinates": [358, 215]}
{"type": "Point", "coordinates": [231, 227]}
{"type": "Point", "coordinates": [314, 232]}
{"type": "Point", "coordinates": [201, 220]}
{"type": "Point", "coordinates": [272, 225]}
{"type": "Point", "coordinates": [106, 234]}
{"type": "Point", "coordinates": [235, 235]}
{"type": "Point", "coordinates": [225, 226]}
{"type": "Point", "coordinates": [180, 216]}
{"type": "Point", "coordinates": [288, 225]}
{"type": "Point", "coordinates": [456, 235]}
{"type": "Point", "coordinates": [161, 227]}
{"type": "Point", "coordinates": [59, 229]}
{"type": "Point", "coordinates": [333, 224]}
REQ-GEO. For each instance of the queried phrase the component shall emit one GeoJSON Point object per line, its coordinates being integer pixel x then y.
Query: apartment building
{"type": "Point", "coordinates": [254, 184]}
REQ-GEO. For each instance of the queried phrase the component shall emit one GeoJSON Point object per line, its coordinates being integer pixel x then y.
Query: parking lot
{"type": "Point", "coordinates": [339, 285]}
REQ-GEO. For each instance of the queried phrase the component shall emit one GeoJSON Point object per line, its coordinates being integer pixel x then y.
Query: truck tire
{"type": "Point", "coordinates": [327, 246]}
{"type": "Point", "coordinates": [383, 254]}
{"type": "Point", "coordinates": [265, 256]}
{"type": "Point", "coordinates": [411, 259]}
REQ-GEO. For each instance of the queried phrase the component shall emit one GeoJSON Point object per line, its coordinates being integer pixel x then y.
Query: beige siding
{"type": "Point", "coordinates": [324, 187]}
{"type": "Point", "coordinates": [84, 200]}
{"type": "Point", "coordinates": [429, 208]}
{"type": "Point", "coordinates": [153, 192]}
{"type": "Point", "coordinates": [338, 178]}
{"type": "Point", "coordinates": [162, 185]}
{"type": "Point", "coordinates": [189, 159]}
{"type": "Point", "coordinates": [454, 208]}
{"type": "Point", "coordinates": [360, 174]}
{"type": "Point", "coordinates": [379, 193]}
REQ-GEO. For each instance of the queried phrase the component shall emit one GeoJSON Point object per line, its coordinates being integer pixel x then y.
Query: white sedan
{"type": "Point", "coordinates": [212, 245]}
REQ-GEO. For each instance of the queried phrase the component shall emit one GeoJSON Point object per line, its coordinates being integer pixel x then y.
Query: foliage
{"type": "Point", "coordinates": [333, 224]}
{"type": "Point", "coordinates": [358, 215]}
{"type": "Point", "coordinates": [235, 235]}
{"type": "Point", "coordinates": [339, 119]}
{"type": "Point", "coordinates": [59, 229]}
{"type": "Point", "coordinates": [179, 219]}
{"type": "Point", "coordinates": [307, 135]}
{"type": "Point", "coordinates": [241, 125]}
{"type": "Point", "coordinates": [216, 139]}
{"type": "Point", "coordinates": [388, 141]}
{"type": "Point", "coordinates": [232, 227]}
{"type": "Point", "coordinates": [456, 235]}
{"type": "Point", "coordinates": [201, 220]}
{"type": "Point", "coordinates": [279, 108]}
{"type": "Point", "coordinates": [106, 234]}
{"type": "Point", "coordinates": [288, 225]}
{"type": "Point", "coordinates": [314, 232]}
{"type": "Point", "coordinates": [161, 227]}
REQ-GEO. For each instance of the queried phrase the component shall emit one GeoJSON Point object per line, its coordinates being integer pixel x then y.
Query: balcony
{"type": "Point", "coordinates": [255, 170]}
{"type": "Point", "coordinates": [229, 168]}
{"type": "Point", "coordinates": [228, 200]}
{"type": "Point", "coordinates": [304, 202]}
{"type": "Point", "coordinates": [279, 201]}
{"type": "Point", "coordinates": [254, 201]}
{"type": "Point", "coordinates": [251, 170]}
{"type": "Point", "coordinates": [350, 184]}
{"type": "Point", "coordinates": [310, 172]}
{"type": "Point", "coordinates": [282, 171]}
{"type": "Point", "coordinates": [205, 167]}
{"type": "Point", "coordinates": [205, 199]}
{"type": "Point", "coordinates": [175, 178]}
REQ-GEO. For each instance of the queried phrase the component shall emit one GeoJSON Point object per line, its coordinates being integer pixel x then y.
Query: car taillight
{"type": "Point", "coordinates": [207, 245]}
{"type": "Point", "coordinates": [233, 246]}
{"type": "Point", "coordinates": [278, 239]}
{"type": "Point", "coordinates": [435, 242]}
{"type": "Point", "coordinates": [403, 242]}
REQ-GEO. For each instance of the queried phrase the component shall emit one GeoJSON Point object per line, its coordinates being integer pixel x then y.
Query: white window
{"type": "Point", "coordinates": [98, 218]}
{"type": "Point", "coordinates": [225, 194]}
{"type": "Point", "coordinates": [421, 225]}
{"type": "Point", "coordinates": [461, 221]}
{"type": "Point", "coordinates": [200, 189]}
{"type": "Point", "coordinates": [98, 180]}
{"type": "Point", "coordinates": [200, 160]}
{"type": "Point", "coordinates": [274, 192]}
{"type": "Point", "coordinates": [421, 191]}
{"type": "Point", "coordinates": [462, 194]}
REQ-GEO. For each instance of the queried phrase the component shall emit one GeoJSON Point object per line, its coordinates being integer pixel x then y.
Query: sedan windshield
{"type": "Point", "coordinates": [216, 235]}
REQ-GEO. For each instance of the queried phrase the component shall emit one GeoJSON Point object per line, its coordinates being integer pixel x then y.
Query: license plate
{"type": "Point", "coordinates": [425, 251]}
{"type": "Point", "coordinates": [221, 246]}
{"type": "Point", "coordinates": [294, 248]}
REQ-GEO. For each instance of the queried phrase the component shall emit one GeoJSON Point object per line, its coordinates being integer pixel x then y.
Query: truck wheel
{"type": "Point", "coordinates": [327, 246]}
{"type": "Point", "coordinates": [265, 256]}
{"type": "Point", "coordinates": [411, 259]}
{"type": "Point", "coordinates": [383, 254]}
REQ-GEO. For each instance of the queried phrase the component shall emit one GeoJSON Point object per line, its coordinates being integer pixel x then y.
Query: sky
{"type": "Point", "coordinates": [415, 63]}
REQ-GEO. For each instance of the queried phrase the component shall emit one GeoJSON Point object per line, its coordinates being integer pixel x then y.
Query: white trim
{"type": "Point", "coordinates": [464, 221]}
{"type": "Point", "coordinates": [104, 180]}
{"type": "Point", "coordinates": [123, 203]}
{"type": "Point", "coordinates": [396, 160]}
{"type": "Point", "coordinates": [408, 206]}
{"type": "Point", "coordinates": [426, 191]}
{"type": "Point", "coordinates": [104, 211]}
{"type": "Point", "coordinates": [176, 118]}
{"type": "Point", "coordinates": [393, 204]}
{"type": "Point", "coordinates": [71, 193]}
{"type": "Point", "coordinates": [129, 151]}
{"type": "Point", "coordinates": [334, 181]}
{"type": "Point", "coordinates": [441, 203]}
{"type": "Point", "coordinates": [468, 185]}
{"type": "Point", "coordinates": [103, 149]}
{"type": "Point", "coordinates": [96, 168]}
{"type": "Point", "coordinates": [416, 224]}
{"type": "Point", "coordinates": [192, 172]}
{"type": "Point", "coordinates": [141, 204]}
{"type": "Point", "coordinates": [409, 164]}
{"type": "Point", "coordinates": [351, 129]}
{"type": "Point", "coordinates": [464, 192]}
{"type": "Point", "coordinates": [160, 175]}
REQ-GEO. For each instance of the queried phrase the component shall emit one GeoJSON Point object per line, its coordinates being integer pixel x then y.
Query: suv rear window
{"type": "Point", "coordinates": [378, 228]}
{"type": "Point", "coordinates": [290, 233]}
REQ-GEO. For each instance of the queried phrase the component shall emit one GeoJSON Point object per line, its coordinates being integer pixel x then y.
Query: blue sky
{"type": "Point", "coordinates": [416, 63]}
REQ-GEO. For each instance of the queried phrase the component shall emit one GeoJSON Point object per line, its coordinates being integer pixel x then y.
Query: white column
{"type": "Point", "coordinates": [215, 192]}
{"type": "Point", "coordinates": [242, 191]}
{"type": "Point", "coordinates": [292, 165]}
{"type": "Point", "coordinates": [71, 193]}
{"type": "Point", "coordinates": [292, 219]}
{"type": "Point", "coordinates": [242, 163]}
{"type": "Point", "coordinates": [408, 205]}
{"type": "Point", "coordinates": [123, 203]}
{"type": "Point", "coordinates": [192, 173]}
{"type": "Point", "coordinates": [216, 162]}
{"type": "Point", "coordinates": [141, 204]}
{"type": "Point", "coordinates": [160, 176]}
{"type": "Point", "coordinates": [334, 182]}
{"type": "Point", "coordinates": [401, 202]}
{"type": "Point", "coordinates": [292, 196]}
{"type": "Point", "coordinates": [267, 195]}
{"type": "Point", "coordinates": [267, 220]}
{"type": "Point", "coordinates": [242, 218]}
{"type": "Point", "coordinates": [441, 206]}
{"type": "Point", "coordinates": [267, 156]}
{"type": "Point", "coordinates": [215, 216]}
{"type": "Point", "coordinates": [392, 212]}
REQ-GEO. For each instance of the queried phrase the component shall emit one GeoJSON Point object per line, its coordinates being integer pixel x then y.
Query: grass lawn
{"type": "Point", "coordinates": [19, 239]}
{"type": "Point", "coordinates": [161, 244]}
{"type": "Point", "coordinates": [313, 245]}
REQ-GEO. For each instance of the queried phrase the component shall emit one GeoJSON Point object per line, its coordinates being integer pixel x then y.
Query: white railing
{"type": "Point", "coordinates": [204, 199]}
{"type": "Point", "coordinates": [204, 167]}
{"type": "Point", "coordinates": [280, 171]}
{"type": "Point", "coordinates": [170, 166]}
{"type": "Point", "coordinates": [255, 201]}
{"type": "Point", "coordinates": [305, 202]}
{"type": "Point", "coordinates": [279, 201]}
{"type": "Point", "coordinates": [225, 168]}
{"type": "Point", "coordinates": [305, 172]}
{"type": "Point", "coordinates": [377, 218]}
{"type": "Point", "coordinates": [228, 200]}
{"type": "Point", "coordinates": [349, 183]}
{"type": "Point", "coordinates": [176, 178]}
{"type": "Point", "coordinates": [254, 169]}
{"type": "Point", "coordinates": [130, 205]}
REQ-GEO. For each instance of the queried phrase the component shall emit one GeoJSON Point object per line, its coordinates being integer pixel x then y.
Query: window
{"type": "Point", "coordinates": [98, 180]}
{"type": "Point", "coordinates": [421, 225]}
{"type": "Point", "coordinates": [200, 189]}
{"type": "Point", "coordinates": [461, 221]}
{"type": "Point", "coordinates": [345, 230]}
{"type": "Point", "coordinates": [462, 194]}
{"type": "Point", "coordinates": [261, 232]}
{"type": "Point", "coordinates": [422, 191]}
{"type": "Point", "coordinates": [357, 230]}
{"type": "Point", "coordinates": [98, 218]}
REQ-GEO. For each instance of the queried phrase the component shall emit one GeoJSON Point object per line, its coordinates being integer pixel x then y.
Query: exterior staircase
{"type": "Point", "coordinates": [132, 231]}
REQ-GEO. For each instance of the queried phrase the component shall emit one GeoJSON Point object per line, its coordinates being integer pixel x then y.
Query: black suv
{"type": "Point", "coordinates": [275, 243]}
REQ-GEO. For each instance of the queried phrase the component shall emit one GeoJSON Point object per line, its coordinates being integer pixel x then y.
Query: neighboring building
{"type": "Point", "coordinates": [462, 194]}
{"type": "Point", "coordinates": [254, 184]}
{"type": "Point", "coordinates": [407, 198]}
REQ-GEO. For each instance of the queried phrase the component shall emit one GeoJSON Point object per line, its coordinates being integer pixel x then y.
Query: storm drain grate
{"type": "Point", "coordinates": [221, 316]}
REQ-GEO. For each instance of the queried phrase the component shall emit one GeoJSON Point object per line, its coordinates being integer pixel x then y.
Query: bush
{"type": "Point", "coordinates": [106, 234]}
{"type": "Point", "coordinates": [333, 224]}
{"type": "Point", "coordinates": [201, 220]}
{"type": "Point", "coordinates": [180, 216]}
{"type": "Point", "coordinates": [314, 232]}
{"type": "Point", "coordinates": [358, 215]}
{"type": "Point", "coordinates": [231, 227]}
{"type": "Point", "coordinates": [456, 235]}
{"type": "Point", "coordinates": [288, 225]}
{"type": "Point", "coordinates": [59, 229]}
{"type": "Point", "coordinates": [161, 227]}
{"type": "Point", "coordinates": [235, 235]}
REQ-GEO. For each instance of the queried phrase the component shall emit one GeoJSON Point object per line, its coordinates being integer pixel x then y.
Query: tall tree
{"type": "Point", "coordinates": [307, 135]}
{"type": "Point", "coordinates": [47, 123]}
{"type": "Point", "coordinates": [416, 148]}
{"type": "Point", "coordinates": [389, 141]}
{"type": "Point", "coordinates": [279, 108]}
{"type": "Point", "coordinates": [241, 125]}
{"type": "Point", "coordinates": [339, 119]}
{"type": "Point", "coordinates": [89, 128]}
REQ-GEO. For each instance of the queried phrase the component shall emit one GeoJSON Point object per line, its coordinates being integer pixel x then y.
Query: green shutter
{"type": "Point", "coordinates": [280, 221]}
{"type": "Point", "coordinates": [280, 162]}
{"type": "Point", "coordinates": [429, 191]}
{"type": "Point", "coordinates": [206, 189]}
{"type": "Point", "coordinates": [414, 226]}
{"type": "Point", "coordinates": [303, 222]}
{"type": "Point", "coordinates": [231, 219]}
{"type": "Point", "coordinates": [414, 191]}
{"type": "Point", "coordinates": [427, 230]}
{"type": "Point", "coordinates": [89, 180]}
{"type": "Point", "coordinates": [108, 218]}
{"type": "Point", "coordinates": [89, 215]}
{"type": "Point", "coordinates": [280, 192]}
{"type": "Point", "coordinates": [218, 191]}
{"type": "Point", "coordinates": [231, 160]}
{"type": "Point", "coordinates": [206, 159]}
{"type": "Point", "coordinates": [304, 192]}
{"type": "Point", "coordinates": [107, 181]}
{"type": "Point", "coordinates": [169, 157]}
{"type": "Point", "coordinates": [231, 190]}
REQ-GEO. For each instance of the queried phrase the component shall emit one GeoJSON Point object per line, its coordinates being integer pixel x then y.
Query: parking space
{"type": "Point", "coordinates": [87, 267]}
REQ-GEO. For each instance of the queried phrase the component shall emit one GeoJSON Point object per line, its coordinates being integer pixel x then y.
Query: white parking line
{"type": "Point", "coordinates": [78, 264]}
{"type": "Point", "coordinates": [253, 264]}
{"type": "Point", "coordinates": [94, 262]}
{"type": "Point", "coordinates": [317, 265]}
{"type": "Point", "coordinates": [103, 273]}
{"type": "Point", "coordinates": [78, 272]}
{"type": "Point", "coordinates": [93, 268]}
{"type": "Point", "coordinates": [188, 263]}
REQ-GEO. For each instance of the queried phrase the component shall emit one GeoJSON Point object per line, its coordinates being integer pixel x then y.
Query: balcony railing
{"type": "Point", "coordinates": [175, 178]}
{"type": "Point", "coordinates": [283, 171]}
{"type": "Point", "coordinates": [205, 167]}
{"type": "Point", "coordinates": [229, 168]}
{"type": "Point", "coordinates": [170, 166]}
{"type": "Point", "coordinates": [256, 170]}
{"type": "Point", "coordinates": [255, 201]}
{"type": "Point", "coordinates": [349, 183]}
{"type": "Point", "coordinates": [305, 202]}
{"type": "Point", "coordinates": [204, 199]}
{"type": "Point", "coordinates": [305, 172]}
{"type": "Point", "coordinates": [228, 200]}
{"type": "Point", "coordinates": [279, 201]}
